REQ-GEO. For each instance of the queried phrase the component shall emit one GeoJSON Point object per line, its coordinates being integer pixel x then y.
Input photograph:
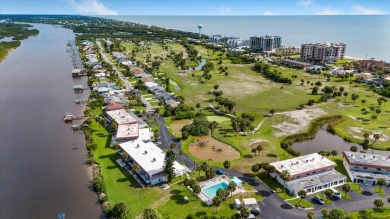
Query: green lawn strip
{"type": "Point", "coordinates": [355, 187]}
{"type": "Point", "coordinates": [121, 186]}
{"type": "Point", "coordinates": [379, 191]}
{"type": "Point", "coordinates": [381, 213]}
{"type": "Point", "coordinates": [274, 185]}
{"type": "Point", "coordinates": [344, 196]}
{"type": "Point", "coordinates": [219, 119]}
{"type": "Point", "coordinates": [323, 196]}
{"type": "Point", "coordinates": [302, 203]}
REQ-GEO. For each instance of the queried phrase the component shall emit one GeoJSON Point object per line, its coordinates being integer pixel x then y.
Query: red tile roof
{"type": "Point", "coordinates": [114, 106]}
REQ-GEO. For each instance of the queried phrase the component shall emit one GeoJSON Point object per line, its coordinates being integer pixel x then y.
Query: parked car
{"type": "Point", "coordinates": [255, 211]}
{"type": "Point", "coordinates": [159, 142]}
{"type": "Point", "coordinates": [219, 172]}
{"type": "Point", "coordinates": [336, 194]}
{"type": "Point", "coordinates": [319, 200]}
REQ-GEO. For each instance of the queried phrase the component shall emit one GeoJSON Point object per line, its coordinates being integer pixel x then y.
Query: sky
{"type": "Point", "coordinates": [197, 7]}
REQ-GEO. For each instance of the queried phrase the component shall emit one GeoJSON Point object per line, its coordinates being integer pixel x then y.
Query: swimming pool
{"type": "Point", "coordinates": [211, 192]}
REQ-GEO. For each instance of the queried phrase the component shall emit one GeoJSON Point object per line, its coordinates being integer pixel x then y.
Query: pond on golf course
{"type": "Point", "coordinates": [328, 142]}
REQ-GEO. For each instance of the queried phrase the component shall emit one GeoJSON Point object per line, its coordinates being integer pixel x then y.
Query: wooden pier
{"type": "Point", "coordinates": [68, 117]}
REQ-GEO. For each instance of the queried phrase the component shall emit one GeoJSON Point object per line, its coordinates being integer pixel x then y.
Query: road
{"type": "Point", "coordinates": [128, 85]}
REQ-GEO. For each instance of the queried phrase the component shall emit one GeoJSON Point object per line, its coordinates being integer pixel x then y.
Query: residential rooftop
{"type": "Point", "coordinates": [303, 164]}
{"type": "Point", "coordinates": [127, 131]}
{"type": "Point", "coordinates": [315, 180]}
{"type": "Point", "coordinates": [148, 156]}
{"type": "Point", "coordinates": [363, 159]}
{"type": "Point", "coordinates": [121, 116]}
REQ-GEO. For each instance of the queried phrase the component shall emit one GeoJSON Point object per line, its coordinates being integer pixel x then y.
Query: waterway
{"type": "Point", "coordinates": [42, 160]}
{"type": "Point", "coordinates": [328, 142]}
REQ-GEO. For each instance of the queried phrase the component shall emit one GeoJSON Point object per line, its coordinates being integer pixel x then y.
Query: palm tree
{"type": "Point", "coordinates": [226, 164]}
{"type": "Point", "coordinates": [363, 101]}
{"type": "Point", "coordinates": [172, 146]}
{"type": "Point", "coordinates": [381, 182]}
{"type": "Point", "coordinates": [254, 150]}
{"type": "Point", "coordinates": [302, 194]}
{"type": "Point", "coordinates": [285, 176]}
{"type": "Point", "coordinates": [333, 153]}
{"type": "Point", "coordinates": [346, 188]}
{"type": "Point", "coordinates": [259, 148]}
{"type": "Point", "coordinates": [272, 112]}
{"type": "Point", "coordinates": [345, 95]}
{"type": "Point", "coordinates": [354, 149]}
{"type": "Point", "coordinates": [311, 215]}
{"type": "Point", "coordinates": [231, 188]}
{"type": "Point", "coordinates": [284, 146]}
{"type": "Point", "coordinates": [217, 202]}
{"type": "Point", "coordinates": [135, 168]}
{"type": "Point", "coordinates": [196, 190]}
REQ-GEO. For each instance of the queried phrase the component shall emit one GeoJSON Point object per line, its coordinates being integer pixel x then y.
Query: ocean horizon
{"type": "Point", "coordinates": [365, 36]}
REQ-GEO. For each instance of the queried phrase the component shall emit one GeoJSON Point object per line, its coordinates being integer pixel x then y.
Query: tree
{"type": "Point", "coordinates": [324, 212]}
{"type": "Point", "coordinates": [285, 176]}
{"type": "Point", "coordinates": [216, 87]}
{"type": "Point", "coordinates": [168, 165]}
{"type": "Point", "coordinates": [119, 211]}
{"type": "Point", "coordinates": [231, 188]}
{"type": "Point", "coordinates": [254, 150]}
{"type": "Point", "coordinates": [196, 190]}
{"type": "Point", "coordinates": [378, 111]}
{"type": "Point", "coordinates": [328, 193]}
{"type": "Point", "coordinates": [363, 101]}
{"type": "Point", "coordinates": [381, 182]}
{"type": "Point", "coordinates": [244, 212]}
{"type": "Point", "coordinates": [311, 215]}
{"type": "Point", "coordinates": [116, 146]}
{"type": "Point", "coordinates": [337, 213]}
{"type": "Point", "coordinates": [302, 194]}
{"type": "Point", "coordinates": [197, 105]}
{"type": "Point", "coordinates": [354, 97]}
{"type": "Point", "coordinates": [272, 112]}
{"type": "Point", "coordinates": [284, 146]}
{"type": "Point", "coordinates": [334, 153]}
{"type": "Point", "coordinates": [345, 95]}
{"type": "Point", "coordinates": [135, 168]}
{"type": "Point", "coordinates": [255, 168]}
{"type": "Point", "coordinates": [378, 203]}
{"type": "Point", "coordinates": [172, 146]}
{"type": "Point", "coordinates": [217, 202]}
{"type": "Point", "coordinates": [354, 149]}
{"type": "Point", "coordinates": [149, 213]}
{"type": "Point", "coordinates": [226, 164]}
{"type": "Point", "coordinates": [346, 188]}
{"type": "Point", "coordinates": [259, 148]}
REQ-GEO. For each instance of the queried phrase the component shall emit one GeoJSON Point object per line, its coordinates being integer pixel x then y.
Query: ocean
{"type": "Point", "coordinates": [365, 36]}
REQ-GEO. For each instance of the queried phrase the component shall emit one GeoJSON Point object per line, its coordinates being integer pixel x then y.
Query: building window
{"type": "Point", "coordinates": [341, 181]}
{"type": "Point", "coordinates": [379, 169]}
{"type": "Point", "coordinates": [365, 168]}
{"type": "Point", "coordinates": [356, 167]}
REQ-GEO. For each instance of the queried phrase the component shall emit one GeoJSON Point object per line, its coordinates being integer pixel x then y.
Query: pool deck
{"type": "Point", "coordinates": [212, 182]}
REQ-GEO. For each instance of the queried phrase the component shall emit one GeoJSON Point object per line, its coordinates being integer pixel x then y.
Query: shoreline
{"type": "Point", "coordinates": [354, 58]}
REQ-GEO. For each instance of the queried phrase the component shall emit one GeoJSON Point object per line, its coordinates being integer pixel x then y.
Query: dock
{"type": "Point", "coordinates": [79, 101]}
{"type": "Point", "coordinates": [69, 117]}
{"type": "Point", "coordinates": [80, 88]}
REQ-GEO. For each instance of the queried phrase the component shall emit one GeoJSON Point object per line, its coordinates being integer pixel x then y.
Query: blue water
{"type": "Point", "coordinates": [211, 192]}
{"type": "Point", "coordinates": [363, 34]}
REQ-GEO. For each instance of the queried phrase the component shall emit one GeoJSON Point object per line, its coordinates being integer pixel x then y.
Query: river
{"type": "Point", "coordinates": [42, 160]}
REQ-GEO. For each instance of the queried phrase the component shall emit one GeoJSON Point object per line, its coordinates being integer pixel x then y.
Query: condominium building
{"type": "Point", "coordinates": [265, 43]}
{"type": "Point", "coordinates": [236, 41]}
{"type": "Point", "coordinates": [366, 168]}
{"type": "Point", "coordinates": [150, 160]}
{"type": "Point", "coordinates": [215, 38]}
{"type": "Point", "coordinates": [323, 52]}
{"type": "Point", "coordinates": [311, 173]}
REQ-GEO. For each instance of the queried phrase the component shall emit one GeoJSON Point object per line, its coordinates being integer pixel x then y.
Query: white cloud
{"type": "Point", "coordinates": [306, 3]}
{"type": "Point", "coordinates": [269, 13]}
{"type": "Point", "coordinates": [224, 10]}
{"type": "Point", "coordinates": [90, 7]}
{"type": "Point", "coordinates": [357, 9]}
{"type": "Point", "coordinates": [328, 11]}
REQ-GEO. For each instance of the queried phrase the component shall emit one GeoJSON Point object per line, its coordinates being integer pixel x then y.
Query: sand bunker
{"type": "Point", "coordinates": [212, 149]}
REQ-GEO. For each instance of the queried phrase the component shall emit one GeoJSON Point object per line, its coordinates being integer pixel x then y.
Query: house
{"type": "Point", "coordinates": [114, 106]}
{"type": "Point", "coordinates": [164, 95]}
{"type": "Point", "coordinates": [311, 173]}
{"type": "Point", "coordinates": [237, 203]}
{"type": "Point", "coordinates": [294, 63]}
{"type": "Point", "coordinates": [150, 160]}
{"type": "Point", "coordinates": [249, 203]}
{"type": "Point", "coordinates": [147, 79]}
{"type": "Point", "coordinates": [172, 103]}
{"type": "Point", "coordinates": [366, 168]}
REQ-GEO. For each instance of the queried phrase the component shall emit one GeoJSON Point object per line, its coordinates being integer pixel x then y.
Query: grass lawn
{"type": "Point", "coordinates": [121, 186]}
{"type": "Point", "coordinates": [355, 187]}
{"type": "Point", "coordinates": [340, 167]}
{"type": "Point", "coordinates": [303, 202]}
{"type": "Point", "coordinates": [380, 213]}
{"type": "Point", "coordinates": [219, 119]}
{"type": "Point", "coordinates": [274, 185]}
{"type": "Point", "coordinates": [323, 196]}
{"type": "Point", "coordinates": [344, 196]}
{"type": "Point", "coordinates": [379, 191]}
